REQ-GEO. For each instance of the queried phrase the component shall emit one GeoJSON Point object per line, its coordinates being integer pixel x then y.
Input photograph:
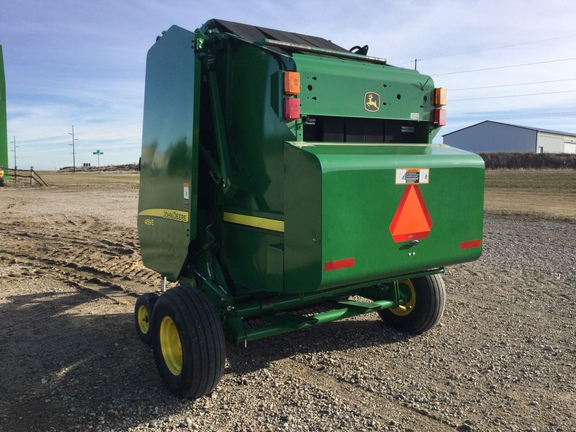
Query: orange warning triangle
{"type": "Point", "coordinates": [411, 220]}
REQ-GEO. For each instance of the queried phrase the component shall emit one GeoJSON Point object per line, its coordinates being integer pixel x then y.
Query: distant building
{"type": "Point", "coordinates": [490, 136]}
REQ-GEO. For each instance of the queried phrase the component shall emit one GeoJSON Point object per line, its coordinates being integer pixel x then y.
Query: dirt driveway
{"type": "Point", "coordinates": [503, 358]}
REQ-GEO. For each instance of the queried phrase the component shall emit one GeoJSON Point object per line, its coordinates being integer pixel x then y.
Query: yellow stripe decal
{"type": "Point", "coordinates": [175, 215]}
{"type": "Point", "coordinates": [254, 221]}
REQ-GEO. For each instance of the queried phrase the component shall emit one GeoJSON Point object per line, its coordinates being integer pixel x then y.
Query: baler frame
{"type": "Point", "coordinates": [280, 311]}
{"type": "Point", "coordinates": [247, 182]}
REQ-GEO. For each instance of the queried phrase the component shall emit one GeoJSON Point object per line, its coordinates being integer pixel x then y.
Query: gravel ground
{"type": "Point", "coordinates": [502, 359]}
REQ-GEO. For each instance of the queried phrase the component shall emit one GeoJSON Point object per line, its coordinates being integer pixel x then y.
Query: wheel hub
{"type": "Point", "coordinates": [143, 319]}
{"type": "Point", "coordinates": [171, 346]}
{"type": "Point", "coordinates": [406, 291]}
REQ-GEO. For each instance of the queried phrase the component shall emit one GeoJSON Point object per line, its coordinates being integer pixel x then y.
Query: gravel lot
{"type": "Point", "coordinates": [502, 359]}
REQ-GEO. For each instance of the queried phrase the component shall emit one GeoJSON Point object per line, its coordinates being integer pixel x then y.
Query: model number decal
{"type": "Point", "coordinates": [169, 214]}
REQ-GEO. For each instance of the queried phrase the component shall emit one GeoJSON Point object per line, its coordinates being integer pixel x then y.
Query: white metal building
{"type": "Point", "coordinates": [490, 136]}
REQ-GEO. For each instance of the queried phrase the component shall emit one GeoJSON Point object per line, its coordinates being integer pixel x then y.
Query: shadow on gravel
{"type": "Point", "coordinates": [71, 360]}
{"type": "Point", "coordinates": [336, 336]}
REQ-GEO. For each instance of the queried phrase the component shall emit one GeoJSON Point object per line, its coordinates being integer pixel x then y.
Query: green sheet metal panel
{"type": "Point", "coordinates": [347, 88]}
{"type": "Point", "coordinates": [250, 86]}
{"type": "Point", "coordinates": [250, 90]}
{"type": "Point", "coordinates": [352, 217]}
{"type": "Point", "coordinates": [169, 165]}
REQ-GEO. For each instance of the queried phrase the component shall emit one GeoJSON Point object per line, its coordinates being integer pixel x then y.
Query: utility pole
{"type": "Point", "coordinates": [73, 150]}
{"type": "Point", "coordinates": [416, 64]}
{"type": "Point", "coordinates": [15, 146]}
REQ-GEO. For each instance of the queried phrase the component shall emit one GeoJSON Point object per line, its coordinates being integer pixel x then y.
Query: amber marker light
{"type": "Point", "coordinates": [291, 83]}
{"type": "Point", "coordinates": [440, 96]}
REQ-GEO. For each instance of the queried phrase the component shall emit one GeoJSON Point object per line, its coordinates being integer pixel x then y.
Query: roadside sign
{"type": "Point", "coordinates": [98, 153]}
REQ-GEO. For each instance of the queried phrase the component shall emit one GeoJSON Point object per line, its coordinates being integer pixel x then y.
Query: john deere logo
{"type": "Point", "coordinates": [372, 101]}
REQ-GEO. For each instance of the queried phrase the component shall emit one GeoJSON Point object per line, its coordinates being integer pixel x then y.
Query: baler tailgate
{"type": "Point", "coordinates": [357, 213]}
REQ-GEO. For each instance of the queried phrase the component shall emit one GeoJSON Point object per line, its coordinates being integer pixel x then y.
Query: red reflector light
{"type": "Point", "coordinates": [471, 244]}
{"type": "Point", "coordinates": [291, 109]}
{"type": "Point", "coordinates": [440, 116]}
{"type": "Point", "coordinates": [339, 264]}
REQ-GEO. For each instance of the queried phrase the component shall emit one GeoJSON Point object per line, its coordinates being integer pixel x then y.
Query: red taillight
{"type": "Point", "coordinates": [291, 109]}
{"type": "Point", "coordinates": [440, 116]}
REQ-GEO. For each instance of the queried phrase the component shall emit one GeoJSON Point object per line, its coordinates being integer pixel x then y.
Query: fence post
{"type": "Point", "coordinates": [31, 174]}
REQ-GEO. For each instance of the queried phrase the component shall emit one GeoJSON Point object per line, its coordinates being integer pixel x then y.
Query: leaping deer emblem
{"type": "Point", "coordinates": [372, 101]}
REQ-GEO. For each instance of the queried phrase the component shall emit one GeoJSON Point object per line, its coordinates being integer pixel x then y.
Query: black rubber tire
{"type": "Point", "coordinates": [190, 317]}
{"type": "Point", "coordinates": [143, 316]}
{"type": "Point", "coordinates": [428, 302]}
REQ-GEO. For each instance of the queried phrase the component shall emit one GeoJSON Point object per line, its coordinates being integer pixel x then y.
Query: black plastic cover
{"type": "Point", "coordinates": [252, 34]}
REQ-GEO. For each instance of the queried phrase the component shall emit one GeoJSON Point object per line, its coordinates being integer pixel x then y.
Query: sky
{"type": "Point", "coordinates": [81, 63]}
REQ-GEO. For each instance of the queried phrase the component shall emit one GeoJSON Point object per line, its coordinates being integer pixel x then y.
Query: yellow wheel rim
{"type": "Point", "coordinates": [143, 319]}
{"type": "Point", "coordinates": [406, 288]}
{"type": "Point", "coordinates": [171, 346]}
